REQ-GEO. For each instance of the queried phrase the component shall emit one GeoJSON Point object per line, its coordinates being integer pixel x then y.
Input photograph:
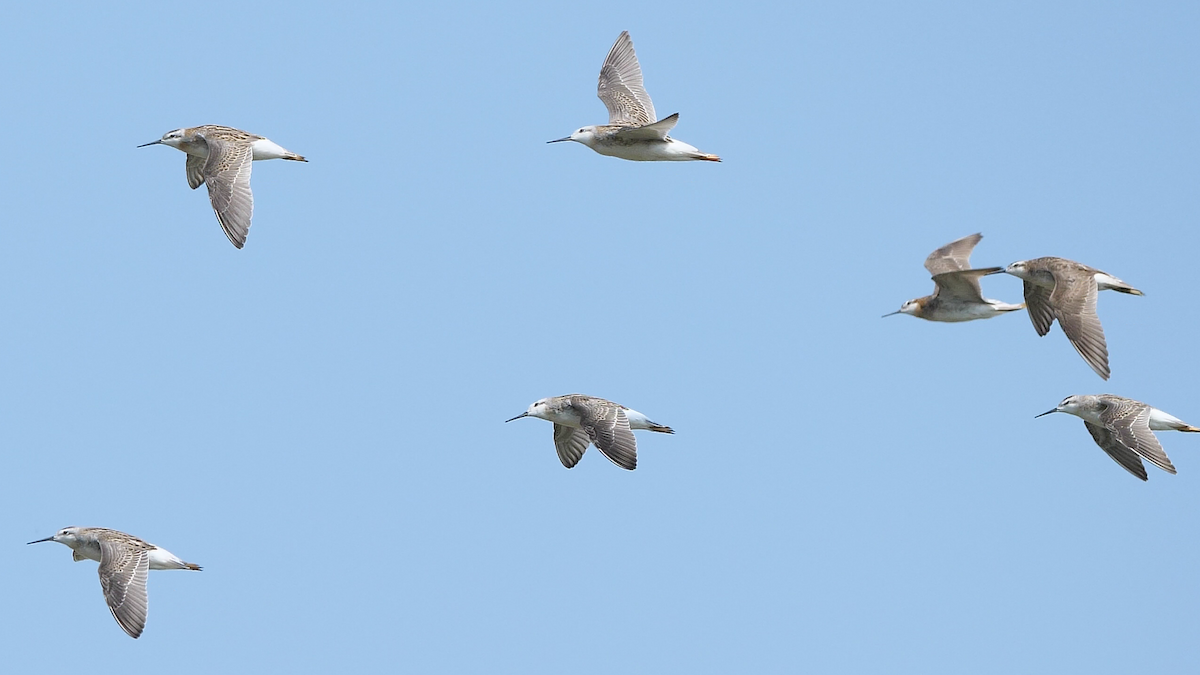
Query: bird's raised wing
{"type": "Point", "coordinates": [953, 257]}
{"type": "Point", "coordinates": [620, 85]}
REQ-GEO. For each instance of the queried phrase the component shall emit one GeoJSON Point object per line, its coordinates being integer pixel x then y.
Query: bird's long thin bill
{"type": "Point", "coordinates": [524, 414]}
{"type": "Point", "coordinates": [41, 540]}
{"type": "Point", "coordinates": [559, 140]}
{"type": "Point", "coordinates": [159, 142]}
{"type": "Point", "coordinates": [890, 314]}
{"type": "Point", "coordinates": [1045, 413]}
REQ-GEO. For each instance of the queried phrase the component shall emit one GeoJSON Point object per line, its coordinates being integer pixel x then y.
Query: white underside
{"type": "Point", "coordinates": [670, 150]}
{"type": "Point", "coordinates": [1161, 421]}
{"type": "Point", "coordinates": [1105, 282]}
{"type": "Point", "coordinates": [265, 149]}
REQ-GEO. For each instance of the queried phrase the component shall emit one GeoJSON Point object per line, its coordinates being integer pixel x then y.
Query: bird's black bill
{"type": "Point", "coordinates": [40, 540]}
{"type": "Point", "coordinates": [524, 414]}
{"type": "Point", "coordinates": [1045, 413]}
{"type": "Point", "coordinates": [559, 140]}
{"type": "Point", "coordinates": [890, 314]}
{"type": "Point", "coordinates": [159, 142]}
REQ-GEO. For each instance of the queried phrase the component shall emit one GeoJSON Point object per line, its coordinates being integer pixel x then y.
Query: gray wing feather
{"type": "Point", "coordinates": [1124, 456]}
{"type": "Point", "coordinates": [650, 132]}
{"type": "Point", "coordinates": [1037, 301]}
{"type": "Point", "coordinates": [123, 571]}
{"type": "Point", "coordinates": [195, 171]}
{"type": "Point", "coordinates": [962, 285]}
{"type": "Point", "coordinates": [570, 442]}
{"type": "Point", "coordinates": [953, 257]}
{"type": "Point", "coordinates": [607, 427]}
{"type": "Point", "coordinates": [1074, 305]}
{"type": "Point", "coordinates": [227, 172]}
{"type": "Point", "coordinates": [620, 86]}
{"type": "Point", "coordinates": [1129, 421]}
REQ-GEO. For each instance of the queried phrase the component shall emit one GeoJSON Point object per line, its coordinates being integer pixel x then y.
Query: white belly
{"type": "Point", "coordinates": [265, 149]}
{"type": "Point", "coordinates": [1161, 421]}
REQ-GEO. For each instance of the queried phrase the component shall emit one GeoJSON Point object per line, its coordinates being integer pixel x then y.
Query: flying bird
{"type": "Point", "coordinates": [956, 294]}
{"type": "Point", "coordinates": [581, 420]}
{"type": "Point", "coordinates": [1057, 288]}
{"type": "Point", "coordinates": [221, 157]}
{"type": "Point", "coordinates": [124, 561]}
{"type": "Point", "coordinates": [632, 132]}
{"type": "Point", "coordinates": [1124, 428]}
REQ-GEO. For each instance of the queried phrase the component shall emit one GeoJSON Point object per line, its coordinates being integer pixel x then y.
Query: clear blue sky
{"type": "Point", "coordinates": [318, 418]}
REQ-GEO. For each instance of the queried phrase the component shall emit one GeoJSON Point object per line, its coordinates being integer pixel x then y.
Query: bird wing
{"type": "Point", "coordinates": [953, 257]}
{"type": "Point", "coordinates": [1037, 301]}
{"type": "Point", "coordinates": [650, 132]}
{"type": "Point", "coordinates": [1129, 421]}
{"type": "Point", "coordinates": [962, 285]}
{"type": "Point", "coordinates": [607, 427]}
{"type": "Point", "coordinates": [195, 171]}
{"type": "Point", "coordinates": [1124, 456]}
{"type": "Point", "coordinates": [1073, 302]}
{"type": "Point", "coordinates": [570, 442]}
{"type": "Point", "coordinates": [620, 85]}
{"type": "Point", "coordinates": [123, 570]}
{"type": "Point", "coordinates": [228, 174]}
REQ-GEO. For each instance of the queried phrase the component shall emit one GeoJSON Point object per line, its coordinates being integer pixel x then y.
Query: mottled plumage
{"type": "Point", "coordinates": [632, 132]}
{"type": "Point", "coordinates": [221, 157]}
{"type": "Point", "coordinates": [580, 420]}
{"type": "Point", "coordinates": [1057, 288]}
{"type": "Point", "coordinates": [1123, 428]}
{"type": "Point", "coordinates": [125, 562]}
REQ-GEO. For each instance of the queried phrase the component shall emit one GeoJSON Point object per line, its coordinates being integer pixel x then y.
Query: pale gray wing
{"type": "Point", "coordinates": [195, 171]}
{"type": "Point", "coordinates": [1074, 305]}
{"type": "Point", "coordinates": [650, 132]}
{"type": "Point", "coordinates": [953, 257]}
{"type": "Point", "coordinates": [570, 442]}
{"type": "Point", "coordinates": [123, 571]}
{"type": "Point", "coordinates": [227, 172]}
{"type": "Point", "coordinates": [1037, 301]}
{"type": "Point", "coordinates": [962, 285]}
{"type": "Point", "coordinates": [621, 87]}
{"type": "Point", "coordinates": [1124, 456]}
{"type": "Point", "coordinates": [607, 426]}
{"type": "Point", "coordinates": [1129, 421]}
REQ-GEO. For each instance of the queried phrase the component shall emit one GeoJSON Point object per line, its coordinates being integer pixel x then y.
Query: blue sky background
{"type": "Point", "coordinates": [318, 418]}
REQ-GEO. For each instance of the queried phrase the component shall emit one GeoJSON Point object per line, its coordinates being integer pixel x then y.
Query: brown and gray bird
{"type": "Point", "coordinates": [1124, 429]}
{"type": "Point", "coordinates": [221, 156]}
{"type": "Point", "coordinates": [580, 420]}
{"type": "Point", "coordinates": [956, 294]}
{"type": "Point", "coordinates": [124, 561]}
{"type": "Point", "coordinates": [1057, 288]}
{"type": "Point", "coordinates": [632, 132]}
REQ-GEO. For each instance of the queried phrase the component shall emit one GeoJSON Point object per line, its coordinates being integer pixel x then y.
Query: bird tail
{"type": "Point", "coordinates": [706, 157]}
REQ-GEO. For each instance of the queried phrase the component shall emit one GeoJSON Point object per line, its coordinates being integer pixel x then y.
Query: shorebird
{"type": "Point", "coordinates": [956, 295]}
{"type": "Point", "coordinates": [124, 562]}
{"type": "Point", "coordinates": [221, 157]}
{"type": "Point", "coordinates": [579, 420]}
{"type": "Point", "coordinates": [632, 132]}
{"type": "Point", "coordinates": [1057, 288]}
{"type": "Point", "coordinates": [1124, 429]}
